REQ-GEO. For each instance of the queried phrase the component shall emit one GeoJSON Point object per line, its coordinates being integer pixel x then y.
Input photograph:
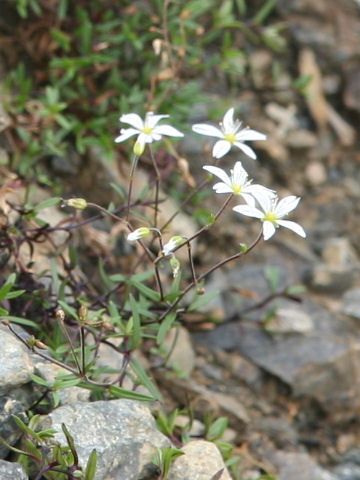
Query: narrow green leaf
{"type": "Point", "coordinates": [120, 392]}
{"type": "Point", "coordinates": [23, 321]}
{"type": "Point", "coordinates": [39, 380]}
{"type": "Point", "coordinates": [264, 12]}
{"type": "Point", "coordinates": [69, 310]}
{"type": "Point", "coordinates": [201, 300]}
{"type": "Point", "coordinates": [91, 466]}
{"type": "Point", "coordinates": [148, 292]}
{"type": "Point", "coordinates": [71, 443]}
{"type": "Point", "coordinates": [50, 202]}
{"type": "Point", "coordinates": [136, 334]}
{"type": "Point", "coordinates": [145, 380]}
{"type": "Point", "coordinates": [165, 326]}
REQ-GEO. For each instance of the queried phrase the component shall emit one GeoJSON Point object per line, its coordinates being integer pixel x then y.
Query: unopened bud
{"type": "Point", "coordinates": [139, 148]}
{"type": "Point", "coordinates": [60, 314]}
{"type": "Point", "coordinates": [82, 313]}
{"type": "Point", "coordinates": [78, 203]}
{"type": "Point", "coordinates": [175, 266]}
{"type": "Point", "coordinates": [138, 234]}
{"type": "Point", "coordinates": [243, 247]}
{"type": "Point", "coordinates": [31, 341]}
{"type": "Point", "coordinates": [5, 322]}
{"type": "Point", "coordinates": [200, 291]}
{"type": "Point", "coordinates": [173, 243]}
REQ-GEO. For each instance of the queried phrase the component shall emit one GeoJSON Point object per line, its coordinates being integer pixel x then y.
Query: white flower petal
{"type": "Point", "coordinates": [249, 211]}
{"type": "Point", "coordinates": [222, 188]}
{"type": "Point", "coordinates": [152, 137]}
{"type": "Point", "coordinates": [248, 134]}
{"type": "Point", "coordinates": [265, 198]}
{"type": "Point", "coordinates": [126, 133]}
{"type": "Point", "coordinates": [151, 120]}
{"type": "Point", "coordinates": [246, 149]}
{"type": "Point", "coordinates": [239, 174]}
{"type": "Point", "coordinates": [249, 199]}
{"type": "Point", "coordinates": [293, 226]}
{"type": "Point", "coordinates": [228, 121]}
{"type": "Point", "coordinates": [167, 130]}
{"type": "Point", "coordinates": [209, 130]}
{"type": "Point", "coordinates": [286, 205]}
{"type": "Point", "coordinates": [132, 119]}
{"type": "Point", "coordinates": [221, 148]}
{"type": "Point", "coordinates": [268, 230]}
{"type": "Point", "coordinates": [218, 172]}
{"type": "Point", "coordinates": [142, 139]}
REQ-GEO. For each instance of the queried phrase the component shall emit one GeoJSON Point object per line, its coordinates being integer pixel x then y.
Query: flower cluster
{"type": "Point", "coordinates": [261, 202]}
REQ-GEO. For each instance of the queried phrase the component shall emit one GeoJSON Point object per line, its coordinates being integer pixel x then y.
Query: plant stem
{"type": "Point", "coordinates": [131, 180]}
{"type": "Point", "coordinates": [157, 185]}
{"type": "Point", "coordinates": [208, 272]}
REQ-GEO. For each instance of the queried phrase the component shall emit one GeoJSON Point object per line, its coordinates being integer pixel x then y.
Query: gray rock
{"type": "Point", "coordinates": [351, 303]}
{"type": "Point", "coordinates": [12, 471]}
{"type": "Point", "coordinates": [201, 461]}
{"type": "Point", "coordinates": [182, 357]}
{"type": "Point", "coordinates": [8, 428]}
{"type": "Point", "coordinates": [123, 432]}
{"type": "Point", "coordinates": [339, 252]}
{"type": "Point", "coordinates": [15, 366]}
{"type": "Point", "coordinates": [347, 471]}
{"type": "Point", "coordinates": [315, 365]}
{"type": "Point", "coordinates": [298, 466]}
{"type": "Point", "coordinates": [329, 279]}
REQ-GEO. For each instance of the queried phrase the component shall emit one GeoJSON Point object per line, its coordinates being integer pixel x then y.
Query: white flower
{"type": "Point", "coordinates": [138, 234]}
{"type": "Point", "coordinates": [237, 183]}
{"type": "Point", "coordinates": [172, 244]}
{"type": "Point", "coordinates": [272, 214]}
{"type": "Point", "coordinates": [147, 130]}
{"type": "Point", "coordinates": [230, 133]}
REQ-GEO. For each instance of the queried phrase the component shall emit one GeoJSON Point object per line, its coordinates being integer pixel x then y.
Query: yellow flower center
{"type": "Point", "coordinates": [271, 217]}
{"type": "Point", "coordinates": [237, 189]}
{"type": "Point", "coordinates": [230, 137]}
{"type": "Point", "coordinates": [147, 130]}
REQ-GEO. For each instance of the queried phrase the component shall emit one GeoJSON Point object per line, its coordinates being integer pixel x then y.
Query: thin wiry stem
{"type": "Point", "coordinates": [208, 272]}
{"type": "Point", "coordinates": [157, 186]}
{"type": "Point", "coordinates": [131, 180]}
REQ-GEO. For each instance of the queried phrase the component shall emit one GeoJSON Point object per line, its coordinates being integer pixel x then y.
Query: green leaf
{"type": "Point", "coordinates": [272, 275]}
{"type": "Point", "coordinates": [264, 12]}
{"type": "Point", "coordinates": [50, 202]}
{"type": "Point", "coordinates": [120, 392]}
{"type": "Point", "coordinates": [136, 333]}
{"type": "Point", "coordinates": [295, 290]}
{"type": "Point", "coordinates": [23, 321]}
{"type": "Point", "coordinates": [217, 429]}
{"type": "Point", "coordinates": [69, 310]}
{"type": "Point", "coordinates": [145, 380]}
{"type": "Point", "coordinates": [26, 429]}
{"type": "Point", "coordinates": [39, 380]}
{"type": "Point", "coordinates": [165, 326]}
{"type": "Point", "coordinates": [148, 292]}
{"type": "Point", "coordinates": [91, 466]}
{"type": "Point", "coordinates": [200, 300]}
{"type": "Point", "coordinates": [71, 443]}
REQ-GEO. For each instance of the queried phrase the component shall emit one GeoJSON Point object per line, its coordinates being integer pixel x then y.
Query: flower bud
{"type": "Point", "coordinates": [172, 244]}
{"type": "Point", "coordinates": [175, 266]}
{"type": "Point", "coordinates": [137, 234]}
{"type": "Point", "coordinates": [78, 203]}
{"type": "Point", "coordinates": [139, 148]}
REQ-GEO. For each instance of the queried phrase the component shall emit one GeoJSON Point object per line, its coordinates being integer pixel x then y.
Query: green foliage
{"type": "Point", "coordinates": [40, 454]}
{"type": "Point", "coordinates": [103, 60]}
{"type": "Point", "coordinates": [164, 458]}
